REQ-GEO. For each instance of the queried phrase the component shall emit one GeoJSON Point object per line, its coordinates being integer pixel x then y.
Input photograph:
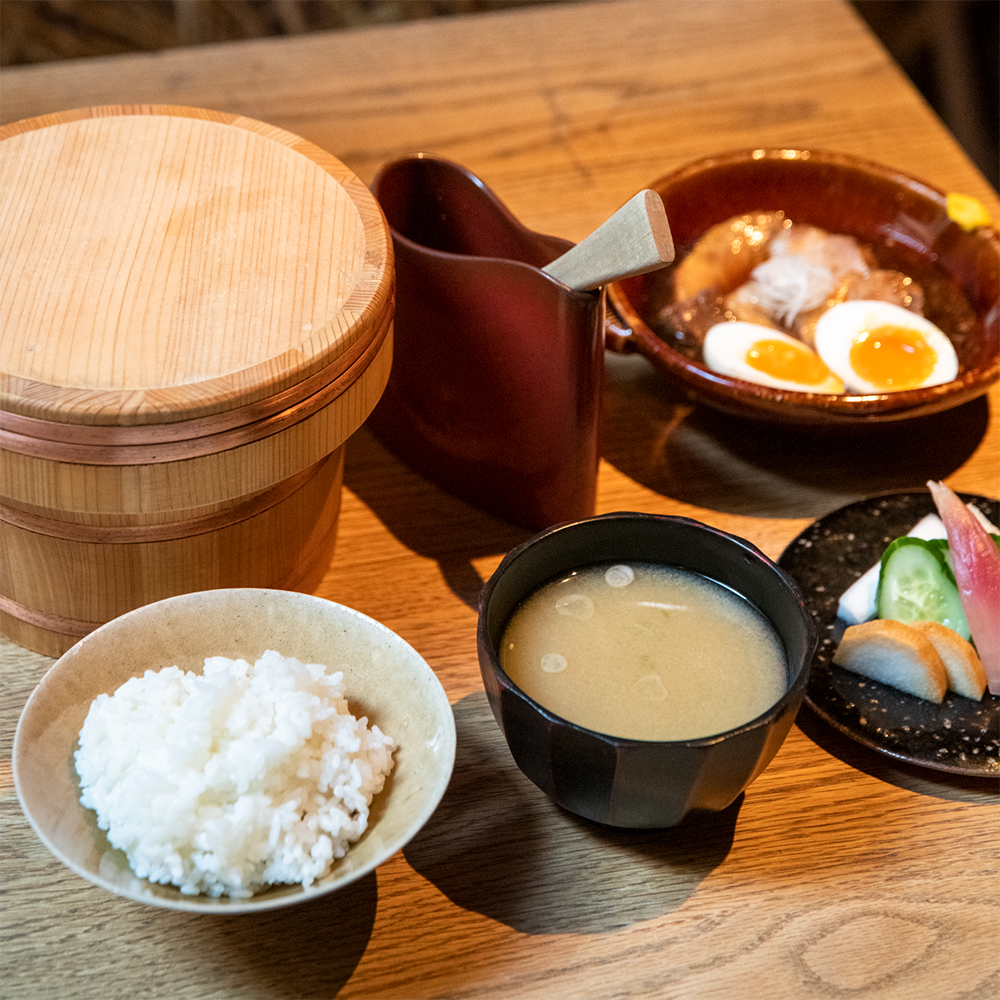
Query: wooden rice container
{"type": "Point", "coordinates": [196, 313]}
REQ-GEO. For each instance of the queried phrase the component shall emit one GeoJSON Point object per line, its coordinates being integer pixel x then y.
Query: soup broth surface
{"type": "Point", "coordinates": [644, 651]}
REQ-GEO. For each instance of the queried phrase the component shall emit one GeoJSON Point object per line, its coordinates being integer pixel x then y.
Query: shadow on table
{"type": "Point", "coordinates": [424, 517]}
{"type": "Point", "coordinates": [304, 952]}
{"type": "Point", "coordinates": [499, 846]}
{"type": "Point", "coordinates": [708, 459]}
{"type": "Point", "coordinates": [923, 780]}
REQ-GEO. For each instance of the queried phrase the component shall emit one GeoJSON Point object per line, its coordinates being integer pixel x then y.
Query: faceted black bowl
{"type": "Point", "coordinates": [641, 783]}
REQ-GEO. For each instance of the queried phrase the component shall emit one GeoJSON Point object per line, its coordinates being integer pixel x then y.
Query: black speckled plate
{"type": "Point", "coordinates": [959, 735]}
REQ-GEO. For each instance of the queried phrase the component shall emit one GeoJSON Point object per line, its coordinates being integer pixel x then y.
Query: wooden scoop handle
{"type": "Point", "coordinates": [635, 240]}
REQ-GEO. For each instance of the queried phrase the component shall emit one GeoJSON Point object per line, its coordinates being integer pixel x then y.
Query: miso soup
{"type": "Point", "coordinates": [644, 651]}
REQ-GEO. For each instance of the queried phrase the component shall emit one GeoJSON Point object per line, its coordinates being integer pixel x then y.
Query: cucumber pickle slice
{"type": "Point", "coordinates": [916, 584]}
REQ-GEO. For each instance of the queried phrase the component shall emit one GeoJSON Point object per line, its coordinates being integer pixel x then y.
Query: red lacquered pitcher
{"type": "Point", "coordinates": [497, 377]}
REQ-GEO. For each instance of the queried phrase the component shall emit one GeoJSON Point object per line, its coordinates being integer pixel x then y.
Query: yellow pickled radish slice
{"type": "Point", "coordinates": [970, 213]}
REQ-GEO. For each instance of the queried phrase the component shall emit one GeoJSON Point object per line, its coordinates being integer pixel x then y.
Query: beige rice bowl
{"type": "Point", "coordinates": [227, 775]}
{"type": "Point", "coordinates": [225, 782]}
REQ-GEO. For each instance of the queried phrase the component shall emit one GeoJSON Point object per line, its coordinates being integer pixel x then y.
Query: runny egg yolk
{"type": "Point", "coordinates": [893, 357]}
{"type": "Point", "coordinates": [790, 362]}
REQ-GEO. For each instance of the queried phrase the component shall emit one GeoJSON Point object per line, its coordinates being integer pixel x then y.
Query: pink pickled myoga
{"type": "Point", "coordinates": [976, 563]}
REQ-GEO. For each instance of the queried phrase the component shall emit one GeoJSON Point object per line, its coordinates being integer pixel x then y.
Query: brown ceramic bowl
{"type": "Point", "coordinates": [903, 219]}
{"type": "Point", "coordinates": [385, 679]}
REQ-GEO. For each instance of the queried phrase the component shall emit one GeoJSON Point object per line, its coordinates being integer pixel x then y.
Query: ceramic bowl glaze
{"type": "Point", "coordinates": [903, 218]}
{"type": "Point", "coordinates": [384, 679]}
{"type": "Point", "coordinates": [639, 783]}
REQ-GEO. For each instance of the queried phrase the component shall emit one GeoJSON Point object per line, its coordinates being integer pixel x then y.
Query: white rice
{"type": "Point", "coordinates": [226, 782]}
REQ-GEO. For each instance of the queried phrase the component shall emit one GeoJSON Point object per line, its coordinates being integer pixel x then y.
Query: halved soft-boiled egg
{"type": "Point", "coordinates": [881, 347]}
{"type": "Point", "coordinates": [768, 357]}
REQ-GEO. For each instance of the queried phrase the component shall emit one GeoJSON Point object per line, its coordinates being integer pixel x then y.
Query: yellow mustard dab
{"type": "Point", "coordinates": [970, 213]}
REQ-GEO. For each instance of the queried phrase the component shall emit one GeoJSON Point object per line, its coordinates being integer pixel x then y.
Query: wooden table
{"type": "Point", "coordinates": [841, 874]}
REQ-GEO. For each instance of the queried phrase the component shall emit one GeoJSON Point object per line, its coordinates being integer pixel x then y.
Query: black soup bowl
{"type": "Point", "coordinates": [641, 784]}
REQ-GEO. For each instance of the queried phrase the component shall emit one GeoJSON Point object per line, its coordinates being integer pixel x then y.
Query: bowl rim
{"type": "Point", "coordinates": [278, 895]}
{"type": "Point", "coordinates": [794, 691]}
{"type": "Point", "coordinates": [727, 392]}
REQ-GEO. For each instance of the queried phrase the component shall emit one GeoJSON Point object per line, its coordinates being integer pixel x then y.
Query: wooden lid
{"type": "Point", "coordinates": [162, 264]}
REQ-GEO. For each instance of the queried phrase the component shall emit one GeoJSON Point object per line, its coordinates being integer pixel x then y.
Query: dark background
{"type": "Point", "coordinates": [947, 47]}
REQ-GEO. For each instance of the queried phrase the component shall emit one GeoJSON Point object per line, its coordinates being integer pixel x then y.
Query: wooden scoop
{"type": "Point", "coordinates": [635, 240]}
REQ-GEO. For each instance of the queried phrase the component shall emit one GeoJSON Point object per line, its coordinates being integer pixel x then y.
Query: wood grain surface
{"type": "Point", "coordinates": [840, 873]}
{"type": "Point", "coordinates": [136, 236]}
